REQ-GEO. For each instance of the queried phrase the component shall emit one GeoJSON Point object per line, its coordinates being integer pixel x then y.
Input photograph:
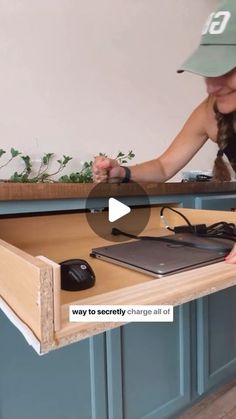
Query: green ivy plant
{"type": "Point", "coordinates": [27, 175]}
{"type": "Point", "coordinates": [14, 153]}
{"type": "Point", "coordinates": [42, 175]}
{"type": "Point", "coordinates": [85, 175]}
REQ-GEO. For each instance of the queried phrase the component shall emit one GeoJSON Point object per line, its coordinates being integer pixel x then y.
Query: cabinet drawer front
{"type": "Point", "coordinates": [30, 284]}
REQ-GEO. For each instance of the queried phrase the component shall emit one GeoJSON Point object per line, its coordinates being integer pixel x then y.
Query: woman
{"type": "Point", "coordinates": [214, 118]}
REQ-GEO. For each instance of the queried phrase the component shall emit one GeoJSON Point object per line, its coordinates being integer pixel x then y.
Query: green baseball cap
{"type": "Point", "coordinates": [216, 54]}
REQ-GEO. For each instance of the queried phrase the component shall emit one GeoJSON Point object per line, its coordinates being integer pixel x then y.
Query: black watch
{"type": "Point", "coordinates": [127, 176]}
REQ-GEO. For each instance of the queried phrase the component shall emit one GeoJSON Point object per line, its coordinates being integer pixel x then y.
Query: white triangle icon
{"type": "Point", "coordinates": [116, 210]}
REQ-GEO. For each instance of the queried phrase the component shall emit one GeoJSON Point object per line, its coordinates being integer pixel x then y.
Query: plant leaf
{"type": "Point", "coordinates": [15, 152]}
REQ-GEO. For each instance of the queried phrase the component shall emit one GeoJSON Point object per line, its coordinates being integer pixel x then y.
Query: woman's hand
{"type": "Point", "coordinates": [107, 170]}
{"type": "Point", "coordinates": [231, 257]}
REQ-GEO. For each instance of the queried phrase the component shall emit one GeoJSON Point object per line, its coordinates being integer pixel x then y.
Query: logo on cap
{"type": "Point", "coordinates": [216, 23]}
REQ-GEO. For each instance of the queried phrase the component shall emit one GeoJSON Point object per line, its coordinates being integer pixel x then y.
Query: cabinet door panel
{"type": "Point", "coordinates": [152, 362]}
{"type": "Point", "coordinates": [216, 338]}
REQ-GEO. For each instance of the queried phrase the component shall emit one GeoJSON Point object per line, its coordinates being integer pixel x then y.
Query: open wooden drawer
{"type": "Point", "coordinates": [31, 248]}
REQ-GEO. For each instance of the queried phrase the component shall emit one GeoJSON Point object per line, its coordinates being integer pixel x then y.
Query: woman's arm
{"type": "Point", "coordinates": [186, 144]}
{"type": "Point", "coordinates": [231, 257]}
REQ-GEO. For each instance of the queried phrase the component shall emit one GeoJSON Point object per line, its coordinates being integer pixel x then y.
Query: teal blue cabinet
{"type": "Point", "coordinates": [216, 344]}
{"type": "Point", "coordinates": [138, 371]}
{"type": "Point", "coordinates": [215, 202]}
{"type": "Point", "coordinates": [134, 372]}
{"type": "Point", "coordinates": [69, 383]}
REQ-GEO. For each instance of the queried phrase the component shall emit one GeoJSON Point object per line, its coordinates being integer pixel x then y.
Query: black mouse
{"type": "Point", "coordinates": [76, 275]}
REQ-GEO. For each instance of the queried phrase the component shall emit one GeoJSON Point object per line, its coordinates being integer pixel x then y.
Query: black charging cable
{"type": "Point", "coordinates": [189, 226]}
{"type": "Point", "coordinates": [220, 230]}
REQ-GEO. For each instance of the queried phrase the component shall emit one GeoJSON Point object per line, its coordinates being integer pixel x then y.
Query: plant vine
{"type": "Point", "coordinates": [43, 174]}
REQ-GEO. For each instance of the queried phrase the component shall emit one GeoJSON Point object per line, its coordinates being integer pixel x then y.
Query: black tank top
{"type": "Point", "coordinates": [230, 152]}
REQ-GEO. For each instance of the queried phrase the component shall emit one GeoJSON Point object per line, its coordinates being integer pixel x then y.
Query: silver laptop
{"type": "Point", "coordinates": [160, 258]}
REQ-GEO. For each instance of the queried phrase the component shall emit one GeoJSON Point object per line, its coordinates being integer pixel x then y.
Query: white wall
{"type": "Point", "coordinates": [83, 76]}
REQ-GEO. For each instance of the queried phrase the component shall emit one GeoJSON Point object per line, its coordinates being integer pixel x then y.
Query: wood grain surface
{"type": "Point", "coordinates": [33, 191]}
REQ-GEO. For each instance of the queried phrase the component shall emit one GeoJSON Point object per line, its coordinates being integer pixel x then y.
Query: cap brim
{"type": "Point", "coordinates": [211, 60]}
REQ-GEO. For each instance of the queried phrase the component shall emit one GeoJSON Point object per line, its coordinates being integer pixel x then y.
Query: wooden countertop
{"type": "Point", "coordinates": [38, 191]}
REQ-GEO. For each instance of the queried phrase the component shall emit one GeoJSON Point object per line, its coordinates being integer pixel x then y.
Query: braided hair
{"type": "Point", "coordinates": [225, 135]}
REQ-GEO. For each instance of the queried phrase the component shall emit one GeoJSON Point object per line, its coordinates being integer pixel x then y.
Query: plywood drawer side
{"type": "Point", "coordinates": [26, 286]}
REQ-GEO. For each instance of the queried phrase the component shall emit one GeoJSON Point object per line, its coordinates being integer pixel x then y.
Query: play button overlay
{"type": "Point", "coordinates": [116, 210]}
{"type": "Point", "coordinates": [121, 206]}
